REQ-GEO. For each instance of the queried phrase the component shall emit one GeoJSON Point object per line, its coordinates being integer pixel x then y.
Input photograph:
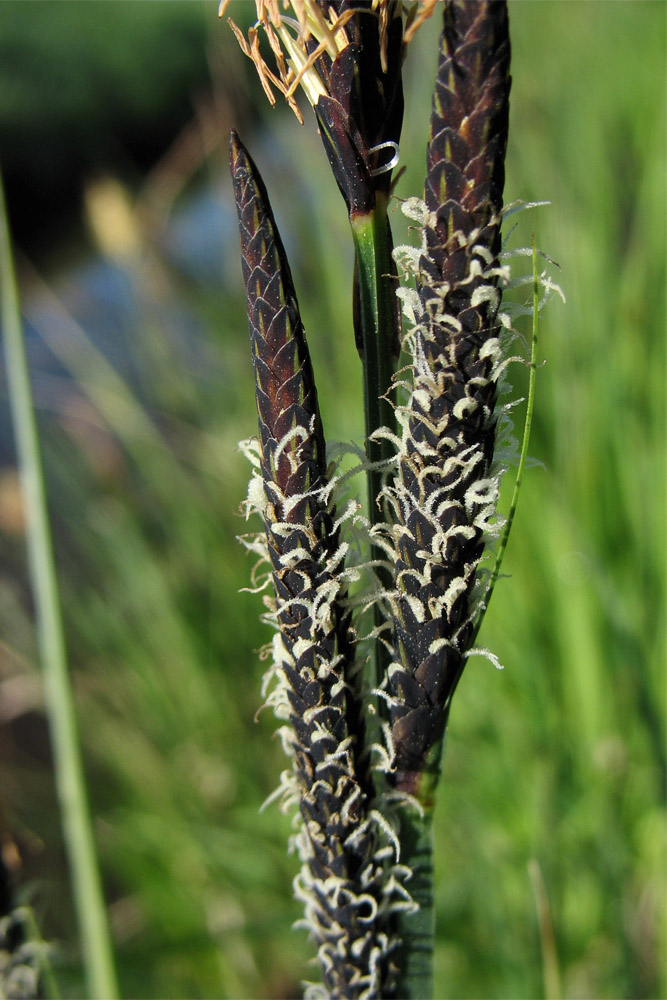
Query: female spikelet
{"type": "Point", "coordinates": [343, 882]}
{"type": "Point", "coordinates": [445, 492]}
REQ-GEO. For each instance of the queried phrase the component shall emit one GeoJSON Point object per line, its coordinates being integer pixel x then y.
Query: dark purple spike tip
{"type": "Point", "coordinates": [285, 386]}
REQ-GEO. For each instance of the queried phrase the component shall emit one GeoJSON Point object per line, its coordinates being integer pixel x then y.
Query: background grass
{"type": "Point", "coordinates": [555, 766]}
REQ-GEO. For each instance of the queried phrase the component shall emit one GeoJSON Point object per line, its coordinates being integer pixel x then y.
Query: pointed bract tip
{"type": "Point", "coordinates": [241, 165]}
{"type": "Point", "coordinates": [236, 147]}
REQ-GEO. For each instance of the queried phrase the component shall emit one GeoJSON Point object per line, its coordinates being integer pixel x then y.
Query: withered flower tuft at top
{"type": "Point", "coordinates": [347, 59]}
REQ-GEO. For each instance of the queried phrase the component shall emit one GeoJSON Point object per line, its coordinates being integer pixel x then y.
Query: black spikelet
{"type": "Point", "coordinates": [345, 861]}
{"type": "Point", "coordinates": [445, 491]}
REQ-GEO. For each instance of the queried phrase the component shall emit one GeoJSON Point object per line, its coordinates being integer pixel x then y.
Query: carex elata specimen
{"type": "Point", "coordinates": [365, 795]}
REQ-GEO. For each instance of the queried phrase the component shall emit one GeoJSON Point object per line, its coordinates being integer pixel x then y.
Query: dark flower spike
{"type": "Point", "coordinates": [445, 492]}
{"type": "Point", "coordinates": [343, 848]}
{"type": "Point", "coordinates": [286, 397]}
{"type": "Point", "coordinates": [22, 960]}
{"type": "Point", "coordinates": [347, 57]}
{"type": "Point", "coordinates": [468, 137]}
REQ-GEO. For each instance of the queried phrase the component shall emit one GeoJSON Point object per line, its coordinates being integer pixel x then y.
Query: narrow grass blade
{"type": "Point", "coordinates": [70, 778]}
{"type": "Point", "coordinates": [550, 963]}
{"type": "Point", "coordinates": [530, 405]}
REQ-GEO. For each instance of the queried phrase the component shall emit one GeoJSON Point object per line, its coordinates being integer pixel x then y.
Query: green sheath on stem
{"type": "Point", "coordinates": [416, 930]}
{"type": "Point", "coordinates": [528, 423]}
{"type": "Point", "coordinates": [70, 778]}
{"type": "Point", "coordinates": [376, 319]}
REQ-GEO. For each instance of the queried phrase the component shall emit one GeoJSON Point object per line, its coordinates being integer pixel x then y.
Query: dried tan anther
{"type": "Point", "coordinates": [267, 77]}
{"type": "Point", "coordinates": [418, 13]}
{"type": "Point", "coordinates": [347, 58]}
{"type": "Point", "coordinates": [290, 38]}
{"type": "Point", "coordinates": [334, 41]}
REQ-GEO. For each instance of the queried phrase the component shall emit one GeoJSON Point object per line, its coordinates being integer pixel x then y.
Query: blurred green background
{"type": "Point", "coordinates": [550, 839]}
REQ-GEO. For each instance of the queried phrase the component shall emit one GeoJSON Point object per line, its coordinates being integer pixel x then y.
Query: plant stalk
{"type": "Point", "coordinates": [376, 320]}
{"type": "Point", "coordinates": [69, 772]}
{"type": "Point", "coordinates": [528, 423]}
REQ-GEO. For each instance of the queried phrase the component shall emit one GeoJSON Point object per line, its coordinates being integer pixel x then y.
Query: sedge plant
{"type": "Point", "coordinates": [367, 651]}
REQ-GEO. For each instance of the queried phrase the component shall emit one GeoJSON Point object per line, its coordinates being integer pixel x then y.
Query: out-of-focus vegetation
{"type": "Point", "coordinates": [550, 843]}
{"type": "Point", "coordinates": [83, 85]}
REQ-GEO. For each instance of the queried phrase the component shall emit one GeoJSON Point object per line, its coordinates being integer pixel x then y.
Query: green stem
{"type": "Point", "coordinates": [376, 318]}
{"type": "Point", "coordinates": [530, 406]}
{"type": "Point", "coordinates": [416, 931]}
{"type": "Point", "coordinates": [69, 773]}
{"type": "Point", "coordinates": [377, 332]}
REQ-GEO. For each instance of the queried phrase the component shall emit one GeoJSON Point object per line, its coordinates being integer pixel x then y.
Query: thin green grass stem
{"type": "Point", "coordinates": [376, 319]}
{"type": "Point", "coordinates": [69, 773]}
{"type": "Point", "coordinates": [530, 405]}
{"type": "Point", "coordinates": [550, 964]}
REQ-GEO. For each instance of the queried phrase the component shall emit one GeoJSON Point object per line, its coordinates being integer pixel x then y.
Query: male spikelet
{"type": "Point", "coordinates": [347, 58]}
{"type": "Point", "coordinates": [348, 881]}
{"type": "Point", "coordinates": [445, 490]}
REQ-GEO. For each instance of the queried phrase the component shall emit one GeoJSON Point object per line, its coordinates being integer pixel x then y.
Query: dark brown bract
{"type": "Point", "coordinates": [361, 114]}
